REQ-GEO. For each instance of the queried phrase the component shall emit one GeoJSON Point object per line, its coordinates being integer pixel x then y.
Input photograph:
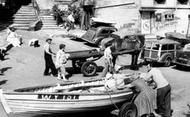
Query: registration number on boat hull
{"type": "Point", "coordinates": [57, 97]}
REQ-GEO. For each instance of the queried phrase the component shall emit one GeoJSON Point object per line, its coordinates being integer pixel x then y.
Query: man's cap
{"type": "Point", "coordinates": [48, 39]}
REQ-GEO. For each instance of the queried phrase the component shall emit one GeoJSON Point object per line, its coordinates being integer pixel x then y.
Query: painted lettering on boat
{"type": "Point", "coordinates": [57, 97]}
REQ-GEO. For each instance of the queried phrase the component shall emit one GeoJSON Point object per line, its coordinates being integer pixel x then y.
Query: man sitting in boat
{"type": "Point", "coordinates": [114, 81]}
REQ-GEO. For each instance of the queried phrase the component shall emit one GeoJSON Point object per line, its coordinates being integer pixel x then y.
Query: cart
{"type": "Point", "coordinates": [84, 60]}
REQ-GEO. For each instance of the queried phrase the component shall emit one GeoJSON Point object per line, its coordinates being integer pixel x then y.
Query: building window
{"type": "Point", "coordinates": [160, 1]}
{"type": "Point", "coordinates": [183, 2]}
{"type": "Point", "coordinates": [158, 17]}
{"type": "Point", "coordinates": [169, 17]}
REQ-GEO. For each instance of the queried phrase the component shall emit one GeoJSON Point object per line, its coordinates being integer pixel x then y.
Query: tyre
{"type": "Point", "coordinates": [167, 62]}
{"type": "Point", "coordinates": [128, 110]}
{"type": "Point", "coordinates": [89, 68]}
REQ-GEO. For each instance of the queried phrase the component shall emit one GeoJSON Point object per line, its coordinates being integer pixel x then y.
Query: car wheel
{"type": "Point", "coordinates": [89, 68]}
{"type": "Point", "coordinates": [167, 62]}
{"type": "Point", "coordinates": [128, 110]}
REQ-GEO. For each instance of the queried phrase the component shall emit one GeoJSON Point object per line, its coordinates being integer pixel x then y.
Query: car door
{"type": "Point", "coordinates": [151, 50]}
{"type": "Point", "coordinates": [169, 49]}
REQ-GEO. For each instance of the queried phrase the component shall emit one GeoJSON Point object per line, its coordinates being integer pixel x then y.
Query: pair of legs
{"type": "Point", "coordinates": [134, 60]}
{"type": "Point", "coordinates": [61, 72]}
{"type": "Point", "coordinates": [107, 68]}
{"type": "Point", "coordinates": [49, 65]}
{"type": "Point", "coordinates": [164, 101]}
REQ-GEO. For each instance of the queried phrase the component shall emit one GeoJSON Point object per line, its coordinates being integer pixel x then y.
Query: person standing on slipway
{"type": "Point", "coordinates": [49, 65]}
{"type": "Point", "coordinates": [61, 60]}
{"type": "Point", "coordinates": [163, 91]}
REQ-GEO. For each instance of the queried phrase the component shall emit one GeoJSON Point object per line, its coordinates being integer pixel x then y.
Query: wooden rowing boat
{"type": "Point", "coordinates": [63, 98]}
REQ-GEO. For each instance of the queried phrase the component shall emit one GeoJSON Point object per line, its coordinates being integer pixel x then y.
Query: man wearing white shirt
{"type": "Point", "coordinates": [163, 91]}
{"type": "Point", "coordinates": [49, 64]}
{"type": "Point", "coordinates": [108, 60]}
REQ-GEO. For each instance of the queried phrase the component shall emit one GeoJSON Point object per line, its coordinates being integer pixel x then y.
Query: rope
{"type": "Point", "coordinates": [111, 99]}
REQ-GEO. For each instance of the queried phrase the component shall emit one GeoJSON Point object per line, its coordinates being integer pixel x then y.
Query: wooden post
{"type": "Point", "coordinates": [188, 26]}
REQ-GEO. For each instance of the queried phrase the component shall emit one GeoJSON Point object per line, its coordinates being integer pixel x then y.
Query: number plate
{"type": "Point", "coordinates": [57, 97]}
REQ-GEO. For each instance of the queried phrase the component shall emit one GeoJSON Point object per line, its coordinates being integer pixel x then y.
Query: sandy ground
{"type": "Point", "coordinates": [24, 67]}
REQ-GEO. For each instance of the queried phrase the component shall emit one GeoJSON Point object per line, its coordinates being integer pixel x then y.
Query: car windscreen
{"type": "Point", "coordinates": [89, 34]}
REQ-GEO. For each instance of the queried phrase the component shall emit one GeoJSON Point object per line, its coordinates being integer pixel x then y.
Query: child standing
{"type": "Point", "coordinates": [61, 60]}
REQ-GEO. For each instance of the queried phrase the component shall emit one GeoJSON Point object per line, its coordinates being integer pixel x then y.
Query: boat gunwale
{"type": "Point", "coordinates": [64, 101]}
{"type": "Point", "coordinates": [67, 93]}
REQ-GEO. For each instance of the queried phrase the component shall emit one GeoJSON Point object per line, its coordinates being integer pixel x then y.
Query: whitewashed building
{"type": "Point", "coordinates": [160, 16]}
{"type": "Point", "coordinates": [146, 16]}
{"type": "Point", "coordinates": [125, 13]}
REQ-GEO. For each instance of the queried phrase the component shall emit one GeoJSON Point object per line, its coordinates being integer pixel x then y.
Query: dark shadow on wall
{"type": "Point", "coordinates": [7, 11]}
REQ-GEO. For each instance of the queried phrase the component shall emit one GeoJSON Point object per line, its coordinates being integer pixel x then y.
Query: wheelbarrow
{"type": "Point", "coordinates": [84, 60]}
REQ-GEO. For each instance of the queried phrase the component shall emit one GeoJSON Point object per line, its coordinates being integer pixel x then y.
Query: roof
{"type": "Point", "coordinates": [146, 10]}
{"type": "Point", "coordinates": [176, 35]}
{"type": "Point", "coordinates": [163, 41]}
{"type": "Point", "coordinates": [99, 20]}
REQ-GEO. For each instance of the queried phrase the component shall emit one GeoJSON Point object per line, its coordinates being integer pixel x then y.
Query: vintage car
{"type": "Point", "coordinates": [96, 35]}
{"type": "Point", "coordinates": [161, 51]}
{"type": "Point", "coordinates": [183, 57]}
{"type": "Point", "coordinates": [181, 38]}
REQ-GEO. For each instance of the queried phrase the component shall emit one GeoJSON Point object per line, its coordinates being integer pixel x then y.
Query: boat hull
{"type": "Point", "coordinates": [48, 103]}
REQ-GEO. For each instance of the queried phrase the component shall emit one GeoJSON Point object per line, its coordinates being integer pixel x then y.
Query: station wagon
{"type": "Point", "coordinates": [161, 51]}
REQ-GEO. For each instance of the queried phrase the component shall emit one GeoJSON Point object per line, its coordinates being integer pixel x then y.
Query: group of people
{"type": "Point", "coordinates": [152, 89]}
{"type": "Point", "coordinates": [57, 69]}
{"type": "Point", "coordinates": [152, 99]}
{"type": "Point", "coordinates": [156, 98]}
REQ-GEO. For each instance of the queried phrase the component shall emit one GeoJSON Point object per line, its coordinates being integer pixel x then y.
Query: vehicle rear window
{"type": "Point", "coordinates": [171, 47]}
{"type": "Point", "coordinates": [156, 47]}
{"type": "Point", "coordinates": [164, 47]}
